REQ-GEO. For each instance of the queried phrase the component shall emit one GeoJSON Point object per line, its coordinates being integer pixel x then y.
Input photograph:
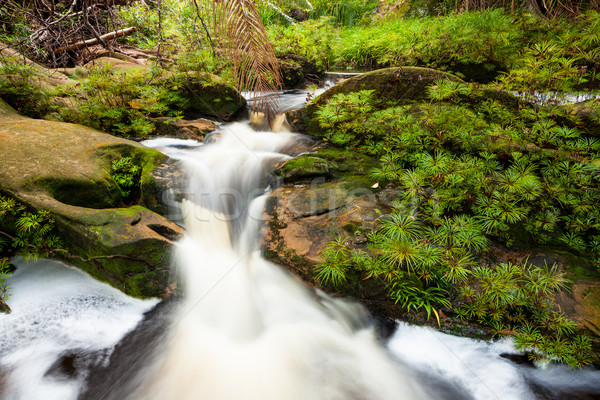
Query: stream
{"type": "Point", "coordinates": [246, 329]}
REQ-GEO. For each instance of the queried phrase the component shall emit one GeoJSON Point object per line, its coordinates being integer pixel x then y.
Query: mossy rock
{"type": "Point", "coordinates": [6, 110]}
{"type": "Point", "coordinates": [68, 162]}
{"type": "Point", "coordinates": [394, 86]}
{"type": "Point", "coordinates": [391, 86]}
{"type": "Point", "coordinates": [115, 62]}
{"type": "Point", "coordinates": [129, 248]}
{"type": "Point", "coordinates": [207, 95]}
{"type": "Point", "coordinates": [47, 78]}
{"type": "Point", "coordinates": [303, 168]}
{"type": "Point", "coordinates": [349, 168]}
{"type": "Point", "coordinates": [296, 71]}
{"type": "Point", "coordinates": [66, 169]}
{"type": "Point", "coordinates": [292, 76]}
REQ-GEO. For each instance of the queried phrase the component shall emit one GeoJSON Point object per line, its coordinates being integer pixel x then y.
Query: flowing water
{"type": "Point", "coordinates": [245, 328]}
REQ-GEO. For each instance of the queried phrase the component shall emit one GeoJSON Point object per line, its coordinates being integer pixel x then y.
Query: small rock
{"type": "Point", "coordinates": [4, 308]}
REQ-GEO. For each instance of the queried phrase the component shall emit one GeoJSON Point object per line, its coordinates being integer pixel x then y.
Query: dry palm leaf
{"type": "Point", "coordinates": [246, 45]}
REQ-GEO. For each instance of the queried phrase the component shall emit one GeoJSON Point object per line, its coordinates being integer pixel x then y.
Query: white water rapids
{"type": "Point", "coordinates": [245, 329]}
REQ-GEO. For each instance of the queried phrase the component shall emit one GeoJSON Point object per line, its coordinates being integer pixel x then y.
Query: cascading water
{"type": "Point", "coordinates": [247, 330]}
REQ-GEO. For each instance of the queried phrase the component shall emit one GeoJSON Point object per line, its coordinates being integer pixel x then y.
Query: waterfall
{"type": "Point", "coordinates": [246, 329]}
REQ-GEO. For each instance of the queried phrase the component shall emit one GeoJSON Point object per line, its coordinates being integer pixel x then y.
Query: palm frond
{"type": "Point", "coordinates": [247, 47]}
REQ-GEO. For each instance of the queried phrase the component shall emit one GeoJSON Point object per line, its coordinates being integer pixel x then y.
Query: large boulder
{"type": "Point", "coordinates": [66, 169]}
{"type": "Point", "coordinates": [207, 95]}
{"type": "Point", "coordinates": [47, 78]}
{"type": "Point", "coordinates": [391, 85]}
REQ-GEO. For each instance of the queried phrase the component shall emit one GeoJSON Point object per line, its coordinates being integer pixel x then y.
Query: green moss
{"type": "Point", "coordinates": [83, 193]}
{"type": "Point", "coordinates": [207, 94]}
{"type": "Point", "coordinates": [112, 252]}
{"type": "Point", "coordinates": [394, 86]}
{"type": "Point", "coordinates": [6, 110]}
{"type": "Point", "coordinates": [303, 168]}
{"type": "Point", "coordinates": [147, 158]}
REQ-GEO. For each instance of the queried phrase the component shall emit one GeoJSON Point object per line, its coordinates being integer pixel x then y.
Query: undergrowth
{"type": "Point", "coordinates": [474, 166]}
{"type": "Point", "coordinates": [23, 232]}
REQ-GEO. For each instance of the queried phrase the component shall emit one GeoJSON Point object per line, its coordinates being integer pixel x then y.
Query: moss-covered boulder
{"type": "Point", "coordinates": [208, 95]}
{"type": "Point", "coordinates": [324, 194]}
{"type": "Point", "coordinates": [291, 75]}
{"type": "Point", "coordinates": [391, 85]}
{"type": "Point", "coordinates": [66, 169]}
{"type": "Point", "coordinates": [115, 62]}
{"type": "Point", "coordinates": [296, 71]}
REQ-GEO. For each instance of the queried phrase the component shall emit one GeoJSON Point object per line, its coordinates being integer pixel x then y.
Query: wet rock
{"type": "Point", "coordinates": [183, 129]}
{"type": "Point", "coordinates": [304, 219]}
{"type": "Point", "coordinates": [4, 308]}
{"type": "Point", "coordinates": [72, 364]}
{"type": "Point", "coordinates": [291, 75]}
{"type": "Point", "coordinates": [304, 168]}
{"type": "Point", "coordinates": [587, 307]}
{"type": "Point", "coordinates": [171, 184]}
{"type": "Point", "coordinates": [297, 71]}
{"type": "Point", "coordinates": [66, 169]}
{"type": "Point", "coordinates": [128, 363]}
{"type": "Point", "coordinates": [207, 95]}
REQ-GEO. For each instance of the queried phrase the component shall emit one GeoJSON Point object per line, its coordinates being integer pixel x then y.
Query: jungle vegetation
{"type": "Point", "coordinates": [475, 170]}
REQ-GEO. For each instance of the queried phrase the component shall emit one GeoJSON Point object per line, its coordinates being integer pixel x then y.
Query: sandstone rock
{"type": "Point", "coordinates": [183, 129]}
{"type": "Point", "coordinates": [587, 308]}
{"type": "Point", "coordinates": [47, 78]}
{"type": "Point", "coordinates": [65, 169]}
{"type": "Point", "coordinates": [393, 85]}
{"type": "Point", "coordinates": [119, 64]}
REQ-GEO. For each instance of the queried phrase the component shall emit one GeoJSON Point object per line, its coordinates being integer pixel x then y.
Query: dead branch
{"type": "Point", "coordinates": [93, 41]}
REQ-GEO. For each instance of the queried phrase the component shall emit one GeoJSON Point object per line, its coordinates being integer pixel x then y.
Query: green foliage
{"type": "Point", "coordinates": [549, 66]}
{"type": "Point", "coordinates": [127, 175]}
{"type": "Point", "coordinates": [344, 13]}
{"type": "Point", "coordinates": [519, 298]}
{"type": "Point", "coordinates": [27, 233]}
{"type": "Point", "coordinates": [313, 39]}
{"type": "Point", "coordinates": [531, 53]}
{"type": "Point", "coordinates": [485, 38]}
{"type": "Point", "coordinates": [145, 19]}
{"type": "Point", "coordinates": [121, 103]}
{"type": "Point", "coordinates": [446, 156]}
{"type": "Point", "coordinates": [474, 166]}
{"type": "Point", "coordinates": [4, 275]}
{"type": "Point", "coordinates": [344, 117]}
{"type": "Point", "coordinates": [20, 87]}
{"type": "Point", "coordinates": [336, 262]}
{"type": "Point", "coordinates": [562, 55]}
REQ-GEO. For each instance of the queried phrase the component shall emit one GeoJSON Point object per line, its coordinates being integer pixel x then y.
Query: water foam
{"type": "Point", "coordinates": [56, 309]}
{"type": "Point", "coordinates": [247, 329]}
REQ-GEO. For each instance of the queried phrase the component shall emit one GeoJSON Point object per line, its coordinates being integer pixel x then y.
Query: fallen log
{"type": "Point", "coordinates": [93, 41]}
